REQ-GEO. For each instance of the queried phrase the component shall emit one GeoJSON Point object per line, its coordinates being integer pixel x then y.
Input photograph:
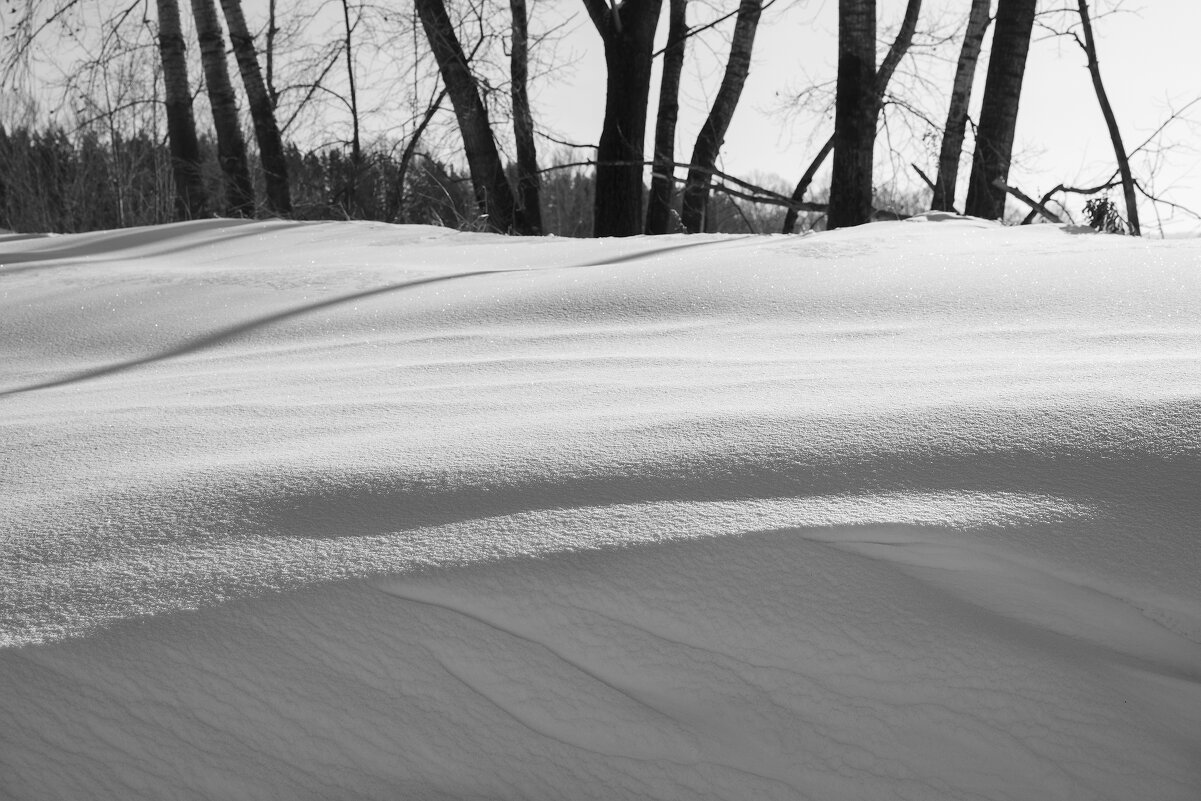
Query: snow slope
{"type": "Point", "coordinates": [344, 510]}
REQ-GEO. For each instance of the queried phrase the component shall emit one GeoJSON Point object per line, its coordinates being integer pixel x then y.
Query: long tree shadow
{"type": "Point", "coordinates": [115, 243]}
{"type": "Point", "coordinates": [229, 333]}
{"type": "Point", "coordinates": [642, 254]}
{"type": "Point", "coordinates": [232, 332]}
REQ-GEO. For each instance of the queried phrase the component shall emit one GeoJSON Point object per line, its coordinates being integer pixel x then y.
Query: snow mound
{"type": "Point", "coordinates": [347, 510]}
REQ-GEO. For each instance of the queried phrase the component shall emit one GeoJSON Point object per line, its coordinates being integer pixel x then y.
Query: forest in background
{"type": "Point", "coordinates": [120, 114]}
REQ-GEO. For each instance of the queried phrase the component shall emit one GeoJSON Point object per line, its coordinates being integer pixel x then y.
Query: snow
{"type": "Point", "coordinates": [348, 510]}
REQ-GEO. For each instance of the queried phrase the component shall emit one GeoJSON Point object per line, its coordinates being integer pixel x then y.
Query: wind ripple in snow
{"type": "Point", "coordinates": [63, 597]}
{"type": "Point", "coordinates": [355, 511]}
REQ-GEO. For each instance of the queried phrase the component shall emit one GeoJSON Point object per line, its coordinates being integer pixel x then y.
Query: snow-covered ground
{"type": "Point", "coordinates": [345, 510]}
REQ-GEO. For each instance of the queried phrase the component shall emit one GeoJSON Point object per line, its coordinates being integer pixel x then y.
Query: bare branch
{"type": "Point", "coordinates": [701, 28]}
{"type": "Point", "coordinates": [1029, 201]}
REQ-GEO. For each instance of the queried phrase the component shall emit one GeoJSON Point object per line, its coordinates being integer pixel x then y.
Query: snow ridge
{"type": "Point", "coordinates": [356, 511]}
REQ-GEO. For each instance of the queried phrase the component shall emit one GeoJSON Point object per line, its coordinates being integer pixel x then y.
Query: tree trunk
{"type": "Point", "coordinates": [272, 32]}
{"type": "Point", "coordinates": [1115, 136]}
{"type": "Point", "coordinates": [658, 208]}
{"type": "Point", "coordinates": [628, 32]}
{"type": "Point", "coordinates": [897, 51]}
{"type": "Point", "coordinates": [961, 96]}
{"type": "Point", "coordinates": [231, 147]}
{"type": "Point", "coordinates": [396, 195]}
{"type": "Point", "coordinates": [356, 144]}
{"type": "Point", "coordinates": [493, 195]}
{"type": "Point", "coordinates": [999, 112]}
{"type": "Point", "coordinates": [713, 132]}
{"type": "Point", "coordinates": [190, 197]}
{"type": "Point", "coordinates": [854, 115]}
{"type": "Point", "coordinates": [529, 203]}
{"type": "Point", "coordinates": [262, 110]}
{"type": "Point", "coordinates": [798, 194]}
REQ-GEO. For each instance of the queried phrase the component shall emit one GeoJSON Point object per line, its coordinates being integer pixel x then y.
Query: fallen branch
{"type": "Point", "coordinates": [1075, 190]}
{"type": "Point", "coordinates": [761, 195]}
{"type": "Point", "coordinates": [807, 205]}
{"type": "Point", "coordinates": [1029, 201]}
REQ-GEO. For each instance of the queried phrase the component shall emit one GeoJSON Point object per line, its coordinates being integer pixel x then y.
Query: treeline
{"type": "Point", "coordinates": [55, 181]}
{"type": "Point", "coordinates": [164, 130]}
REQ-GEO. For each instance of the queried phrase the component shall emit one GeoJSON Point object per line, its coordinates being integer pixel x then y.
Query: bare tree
{"type": "Point", "coordinates": [529, 204]}
{"type": "Point", "coordinates": [190, 197]}
{"type": "Point", "coordinates": [493, 194]}
{"type": "Point", "coordinates": [262, 110]}
{"type": "Point", "coordinates": [896, 52]}
{"type": "Point", "coordinates": [713, 132]}
{"type": "Point", "coordinates": [356, 143]}
{"type": "Point", "coordinates": [231, 147]}
{"type": "Point", "coordinates": [628, 32]}
{"type": "Point", "coordinates": [999, 111]}
{"type": "Point", "coordinates": [961, 95]}
{"type": "Point", "coordinates": [854, 115]}
{"type": "Point", "coordinates": [396, 194]}
{"type": "Point", "coordinates": [658, 208]}
{"type": "Point", "coordinates": [1119, 151]}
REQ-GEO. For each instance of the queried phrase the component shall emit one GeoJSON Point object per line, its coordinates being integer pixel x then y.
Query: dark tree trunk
{"type": "Point", "coordinates": [529, 203]}
{"type": "Point", "coordinates": [961, 96]}
{"type": "Point", "coordinates": [628, 32]}
{"type": "Point", "coordinates": [190, 197]}
{"type": "Point", "coordinates": [897, 51]}
{"type": "Point", "coordinates": [713, 132]}
{"type": "Point", "coordinates": [854, 115]}
{"type": "Point", "coordinates": [231, 147]}
{"type": "Point", "coordinates": [999, 112]}
{"type": "Point", "coordinates": [1111, 122]}
{"type": "Point", "coordinates": [262, 110]}
{"type": "Point", "coordinates": [493, 195]}
{"type": "Point", "coordinates": [658, 208]}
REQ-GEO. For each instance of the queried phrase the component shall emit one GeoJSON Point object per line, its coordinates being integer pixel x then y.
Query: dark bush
{"type": "Point", "coordinates": [1103, 215]}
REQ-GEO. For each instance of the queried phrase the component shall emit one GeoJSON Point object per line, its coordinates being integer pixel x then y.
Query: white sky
{"type": "Point", "coordinates": [1061, 135]}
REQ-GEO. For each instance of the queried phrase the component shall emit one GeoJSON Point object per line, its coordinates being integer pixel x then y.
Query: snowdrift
{"type": "Point", "coordinates": [354, 511]}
